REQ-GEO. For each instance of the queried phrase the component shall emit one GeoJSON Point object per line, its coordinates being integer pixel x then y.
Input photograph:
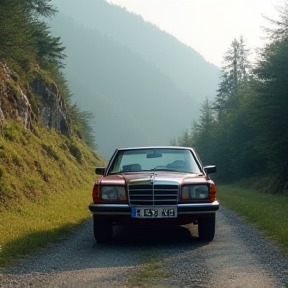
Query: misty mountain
{"type": "Point", "coordinates": [134, 101]}
{"type": "Point", "coordinates": [186, 67]}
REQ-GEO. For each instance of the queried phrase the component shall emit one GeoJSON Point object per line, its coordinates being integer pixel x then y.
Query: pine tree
{"type": "Point", "coordinates": [234, 74]}
{"type": "Point", "coordinates": [279, 31]}
{"type": "Point", "coordinates": [49, 49]}
{"type": "Point", "coordinates": [25, 40]}
{"type": "Point", "coordinates": [268, 107]}
{"type": "Point", "coordinates": [15, 33]}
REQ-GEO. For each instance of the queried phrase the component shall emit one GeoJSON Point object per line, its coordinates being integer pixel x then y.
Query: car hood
{"type": "Point", "coordinates": [154, 177]}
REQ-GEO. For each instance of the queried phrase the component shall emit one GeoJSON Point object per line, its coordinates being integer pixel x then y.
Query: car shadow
{"type": "Point", "coordinates": [153, 235]}
{"type": "Point", "coordinates": [176, 239]}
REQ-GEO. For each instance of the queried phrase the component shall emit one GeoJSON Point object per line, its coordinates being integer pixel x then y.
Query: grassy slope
{"type": "Point", "coordinates": [267, 212]}
{"type": "Point", "coordinates": [44, 189]}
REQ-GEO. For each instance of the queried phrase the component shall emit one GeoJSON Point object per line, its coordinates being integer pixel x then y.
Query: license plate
{"type": "Point", "coordinates": [159, 212]}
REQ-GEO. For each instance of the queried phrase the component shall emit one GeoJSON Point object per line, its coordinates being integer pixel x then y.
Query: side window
{"type": "Point", "coordinates": [115, 168]}
{"type": "Point", "coordinates": [195, 166]}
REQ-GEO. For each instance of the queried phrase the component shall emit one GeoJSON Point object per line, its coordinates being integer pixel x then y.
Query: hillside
{"type": "Point", "coordinates": [45, 188]}
{"type": "Point", "coordinates": [46, 170]}
{"type": "Point", "coordinates": [47, 155]}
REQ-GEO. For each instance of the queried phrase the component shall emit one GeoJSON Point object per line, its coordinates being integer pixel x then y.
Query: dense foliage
{"type": "Point", "coordinates": [26, 43]}
{"type": "Point", "coordinates": [244, 129]}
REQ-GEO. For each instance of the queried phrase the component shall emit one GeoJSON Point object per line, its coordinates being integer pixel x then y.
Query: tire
{"type": "Point", "coordinates": [206, 228]}
{"type": "Point", "coordinates": [103, 230]}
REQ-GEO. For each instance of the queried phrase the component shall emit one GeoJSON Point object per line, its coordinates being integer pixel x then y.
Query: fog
{"type": "Point", "coordinates": [143, 85]}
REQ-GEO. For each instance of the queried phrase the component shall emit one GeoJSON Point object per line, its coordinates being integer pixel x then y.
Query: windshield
{"type": "Point", "coordinates": [159, 159]}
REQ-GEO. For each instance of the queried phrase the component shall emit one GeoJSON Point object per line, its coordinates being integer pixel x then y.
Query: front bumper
{"type": "Point", "coordinates": [125, 209]}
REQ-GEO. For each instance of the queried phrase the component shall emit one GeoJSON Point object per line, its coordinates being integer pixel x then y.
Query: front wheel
{"type": "Point", "coordinates": [206, 228]}
{"type": "Point", "coordinates": [103, 230]}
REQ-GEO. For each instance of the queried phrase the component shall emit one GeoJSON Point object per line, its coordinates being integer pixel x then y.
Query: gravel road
{"type": "Point", "coordinates": [239, 256]}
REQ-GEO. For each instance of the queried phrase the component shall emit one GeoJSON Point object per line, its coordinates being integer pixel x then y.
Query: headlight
{"type": "Point", "coordinates": [195, 192]}
{"type": "Point", "coordinates": [112, 193]}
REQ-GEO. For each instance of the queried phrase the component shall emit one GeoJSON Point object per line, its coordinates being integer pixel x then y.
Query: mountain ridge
{"type": "Point", "coordinates": [148, 40]}
{"type": "Point", "coordinates": [113, 81]}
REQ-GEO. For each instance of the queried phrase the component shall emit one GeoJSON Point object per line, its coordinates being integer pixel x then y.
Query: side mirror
{"type": "Point", "coordinates": [210, 169]}
{"type": "Point", "coordinates": [100, 170]}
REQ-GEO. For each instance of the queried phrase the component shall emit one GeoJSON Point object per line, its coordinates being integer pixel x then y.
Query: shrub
{"type": "Point", "coordinates": [10, 132]}
{"type": "Point", "coordinates": [50, 151]}
{"type": "Point", "coordinates": [75, 151]}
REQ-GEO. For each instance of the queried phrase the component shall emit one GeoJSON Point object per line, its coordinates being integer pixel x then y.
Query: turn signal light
{"type": "Point", "coordinates": [95, 193]}
{"type": "Point", "coordinates": [212, 192]}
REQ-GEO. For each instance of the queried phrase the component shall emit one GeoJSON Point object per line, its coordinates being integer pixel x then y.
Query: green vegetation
{"type": "Point", "coordinates": [27, 47]}
{"type": "Point", "coordinates": [45, 188]}
{"type": "Point", "coordinates": [45, 178]}
{"type": "Point", "coordinates": [267, 212]}
{"type": "Point", "coordinates": [244, 129]}
{"type": "Point", "coordinates": [150, 273]}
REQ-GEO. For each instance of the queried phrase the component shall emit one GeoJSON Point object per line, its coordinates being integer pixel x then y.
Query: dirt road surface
{"type": "Point", "coordinates": [238, 257]}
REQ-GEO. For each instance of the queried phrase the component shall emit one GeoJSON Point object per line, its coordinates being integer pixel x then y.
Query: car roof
{"type": "Point", "coordinates": [156, 147]}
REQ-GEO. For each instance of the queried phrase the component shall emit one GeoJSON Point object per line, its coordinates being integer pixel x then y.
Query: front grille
{"type": "Point", "coordinates": [153, 194]}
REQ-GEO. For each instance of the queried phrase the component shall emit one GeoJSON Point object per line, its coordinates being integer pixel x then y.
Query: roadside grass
{"type": "Point", "coordinates": [267, 212]}
{"type": "Point", "coordinates": [27, 229]}
{"type": "Point", "coordinates": [46, 184]}
{"type": "Point", "coordinates": [149, 273]}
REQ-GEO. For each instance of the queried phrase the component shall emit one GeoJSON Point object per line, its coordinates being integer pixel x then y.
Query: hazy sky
{"type": "Point", "coordinates": [208, 26]}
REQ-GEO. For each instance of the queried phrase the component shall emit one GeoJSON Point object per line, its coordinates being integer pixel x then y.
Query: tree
{"type": "Point", "coordinates": [26, 41]}
{"type": "Point", "coordinates": [267, 111]}
{"type": "Point", "coordinates": [36, 8]}
{"type": "Point", "coordinates": [201, 133]}
{"type": "Point", "coordinates": [23, 36]}
{"type": "Point", "coordinates": [204, 131]}
{"type": "Point", "coordinates": [234, 74]}
{"type": "Point", "coordinates": [269, 118]}
{"type": "Point", "coordinates": [279, 31]}
{"type": "Point", "coordinates": [15, 33]}
{"type": "Point", "coordinates": [82, 121]}
{"type": "Point", "coordinates": [49, 48]}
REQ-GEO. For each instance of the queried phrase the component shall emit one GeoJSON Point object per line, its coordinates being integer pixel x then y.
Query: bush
{"type": "Point", "coordinates": [75, 152]}
{"type": "Point", "coordinates": [10, 132]}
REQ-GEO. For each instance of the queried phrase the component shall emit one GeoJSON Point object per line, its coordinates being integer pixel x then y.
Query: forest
{"type": "Point", "coordinates": [244, 129]}
{"type": "Point", "coordinates": [28, 47]}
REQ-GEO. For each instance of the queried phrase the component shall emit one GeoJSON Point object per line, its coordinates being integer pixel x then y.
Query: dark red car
{"type": "Point", "coordinates": [164, 185]}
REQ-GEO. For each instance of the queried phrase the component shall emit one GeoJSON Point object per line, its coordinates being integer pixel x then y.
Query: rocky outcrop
{"type": "Point", "coordinates": [14, 103]}
{"type": "Point", "coordinates": [41, 102]}
{"type": "Point", "coordinates": [53, 112]}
